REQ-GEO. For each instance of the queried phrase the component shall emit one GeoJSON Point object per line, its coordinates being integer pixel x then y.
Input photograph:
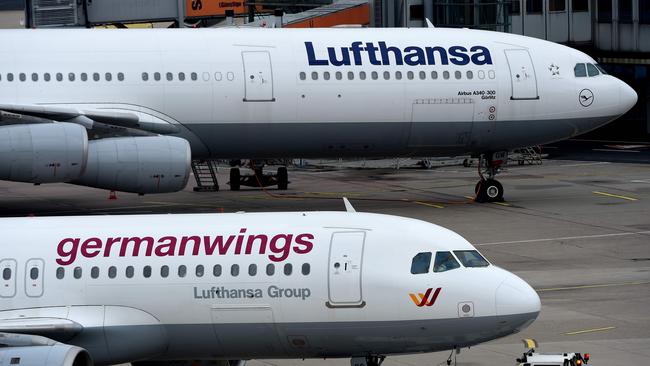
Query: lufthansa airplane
{"type": "Point", "coordinates": [166, 288]}
{"type": "Point", "coordinates": [128, 110]}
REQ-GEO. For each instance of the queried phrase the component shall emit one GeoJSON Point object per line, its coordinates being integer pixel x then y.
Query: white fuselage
{"type": "Point", "coordinates": [201, 286]}
{"type": "Point", "coordinates": [256, 93]}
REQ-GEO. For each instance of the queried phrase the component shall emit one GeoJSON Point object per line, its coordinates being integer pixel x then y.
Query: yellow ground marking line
{"type": "Point", "coordinates": [502, 204]}
{"type": "Point", "coordinates": [593, 286]}
{"type": "Point", "coordinates": [469, 198]}
{"type": "Point", "coordinates": [589, 330]}
{"type": "Point", "coordinates": [615, 196]}
{"type": "Point", "coordinates": [428, 204]}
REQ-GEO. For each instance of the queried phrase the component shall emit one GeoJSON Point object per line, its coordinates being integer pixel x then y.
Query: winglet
{"type": "Point", "coordinates": [348, 205]}
{"type": "Point", "coordinates": [429, 24]}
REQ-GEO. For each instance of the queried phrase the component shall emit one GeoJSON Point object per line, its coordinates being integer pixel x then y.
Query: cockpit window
{"type": "Point", "coordinates": [471, 258]}
{"type": "Point", "coordinates": [445, 262]}
{"type": "Point", "coordinates": [580, 70]}
{"type": "Point", "coordinates": [421, 263]}
{"type": "Point", "coordinates": [592, 70]}
{"type": "Point", "coordinates": [602, 71]}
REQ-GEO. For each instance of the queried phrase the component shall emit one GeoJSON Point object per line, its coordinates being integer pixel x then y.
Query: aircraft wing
{"type": "Point", "coordinates": [55, 328]}
{"type": "Point", "coordinates": [103, 122]}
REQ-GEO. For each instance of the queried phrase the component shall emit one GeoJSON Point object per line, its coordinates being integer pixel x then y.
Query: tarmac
{"type": "Point", "coordinates": [578, 231]}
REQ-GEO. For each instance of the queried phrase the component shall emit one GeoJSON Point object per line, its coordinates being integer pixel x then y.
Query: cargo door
{"type": "Point", "coordinates": [7, 278]}
{"type": "Point", "coordinates": [34, 277]}
{"type": "Point", "coordinates": [522, 75]}
{"type": "Point", "coordinates": [258, 76]}
{"type": "Point", "coordinates": [235, 324]}
{"type": "Point", "coordinates": [441, 122]}
{"type": "Point", "coordinates": [345, 264]}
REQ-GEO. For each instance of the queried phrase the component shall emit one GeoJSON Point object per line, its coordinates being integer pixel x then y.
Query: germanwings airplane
{"type": "Point", "coordinates": [129, 110]}
{"type": "Point", "coordinates": [104, 290]}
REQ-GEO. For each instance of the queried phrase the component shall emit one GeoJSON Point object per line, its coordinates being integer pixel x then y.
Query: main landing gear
{"type": "Point", "coordinates": [489, 189]}
{"type": "Point", "coordinates": [258, 178]}
{"type": "Point", "coordinates": [367, 361]}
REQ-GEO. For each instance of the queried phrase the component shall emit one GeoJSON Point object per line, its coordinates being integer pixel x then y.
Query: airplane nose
{"type": "Point", "coordinates": [515, 297]}
{"type": "Point", "coordinates": [627, 97]}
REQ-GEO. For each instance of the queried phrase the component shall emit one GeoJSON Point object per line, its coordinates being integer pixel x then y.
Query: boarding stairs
{"type": "Point", "coordinates": [205, 173]}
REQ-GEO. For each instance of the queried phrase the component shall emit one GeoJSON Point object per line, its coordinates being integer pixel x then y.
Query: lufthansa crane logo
{"type": "Point", "coordinates": [586, 97]}
{"type": "Point", "coordinates": [425, 299]}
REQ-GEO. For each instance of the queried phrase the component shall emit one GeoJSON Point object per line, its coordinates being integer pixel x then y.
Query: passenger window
{"type": "Point", "coordinates": [580, 70]}
{"type": "Point", "coordinates": [270, 269]}
{"type": "Point", "coordinates": [303, 76]}
{"type": "Point", "coordinates": [77, 272]}
{"type": "Point", "coordinates": [362, 75]}
{"type": "Point", "coordinates": [71, 76]}
{"type": "Point", "coordinates": [216, 270]}
{"type": "Point", "coordinates": [339, 75]}
{"type": "Point", "coordinates": [252, 269]}
{"type": "Point", "coordinates": [230, 76]}
{"type": "Point", "coordinates": [96, 76]}
{"type": "Point", "coordinates": [421, 263]}
{"type": "Point", "coordinates": [156, 76]}
{"type": "Point", "coordinates": [60, 273]}
{"type": "Point", "coordinates": [181, 76]}
{"type": "Point", "coordinates": [409, 75]}
{"type": "Point", "coordinates": [445, 262]}
{"type": "Point", "coordinates": [194, 76]}
{"type": "Point", "coordinates": [471, 258]}
{"type": "Point", "coordinates": [458, 74]}
{"type": "Point", "coordinates": [306, 269]}
{"type": "Point", "coordinates": [22, 76]}
{"type": "Point", "coordinates": [481, 74]}
{"type": "Point", "coordinates": [10, 77]}
{"type": "Point", "coordinates": [199, 271]}
{"type": "Point", "coordinates": [130, 271]}
{"type": "Point", "coordinates": [112, 272]}
{"type": "Point", "coordinates": [398, 75]}
{"type": "Point", "coordinates": [288, 268]}
{"type": "Point", "coordinates": [182, 270]}
{"type": "Point", "coordinates": [314, 75]}
{"type": "Point", "coordinates": [445, 75]}
{"type": "Point", "coordinates": [84, 76]}
{"type": "Point", "coordinates": [170, 76]}
{"type": "Point", "coordinates": [374, 75]}
{"type": "Point", "coordinates": [108, 76]}
{"type": "Point", "coordinates": [164, 271]}
{"type": "Point", "coordinates": [592, 70]}
{"type": "Point", "coordinates": [470, 75]}
{"type": "Point", "coordinates": [33, 273]}
{"type": "Point", "coordinates": [386, 75]}
{"type": "Point", "coordinates": [145, 76]}
{"type": "Point", "coordinates": [434, 75]}
{"type": "Point", "coordinates": [218, 76]}
{"type": "Point", "coordinates": [120, 76]}
{"type": "Point", "coordinates": [492, 74]}
{"type": "Point", "coordinates": [423, 75]}
{"type": "Point", "coordinates": [34, 77]}
{"type": "Point", "coordinates": [146, 271]}
{"type": "Point", "coordinates": [234, 270]}
{"type": "Point", "coordinates": [350, 75]}
{"type": "Point", "coordinates": [326, 75]}
{"type": "Point", "coordinates": [6, 274]}
{"type": "Point", "coordinates": [94, 272]}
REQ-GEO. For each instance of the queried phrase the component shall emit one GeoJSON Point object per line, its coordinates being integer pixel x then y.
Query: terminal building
{"type": "Point", "coordinates": [614, 32]}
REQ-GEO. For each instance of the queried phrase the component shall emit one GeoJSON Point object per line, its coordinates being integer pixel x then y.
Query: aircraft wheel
{"type": "Point", "coordinates": [234, 179]}
{"type": "Point", "coordinates": [283, 178]}
{"type": "Point", "coordinates": [488, 190]}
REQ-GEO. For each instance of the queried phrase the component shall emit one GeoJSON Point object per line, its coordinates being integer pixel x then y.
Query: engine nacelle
{"type": "Point", "coordinates": [54, 355]}
{"type": "Point", "coordinates": [151, 164]}
{"type": "Point", "coordinates": [43, 153]}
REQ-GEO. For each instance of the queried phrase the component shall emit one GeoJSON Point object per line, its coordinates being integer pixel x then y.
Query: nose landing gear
{"type": "Point", "coordinates": [489, 189]}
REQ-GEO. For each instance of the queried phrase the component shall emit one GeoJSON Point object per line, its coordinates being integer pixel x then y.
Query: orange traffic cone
{"type": "Point", "coordinates": [112, 195]}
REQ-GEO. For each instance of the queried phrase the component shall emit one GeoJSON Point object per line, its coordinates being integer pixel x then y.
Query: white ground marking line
{"type": "Point", "coordinates": [640, 181]}
{"type": "Point", "coordinates": [564, 238]}
{"type": "Point", "coordinates": [587, 164]}
{"type": "Point", "coordinates": [614, 150]}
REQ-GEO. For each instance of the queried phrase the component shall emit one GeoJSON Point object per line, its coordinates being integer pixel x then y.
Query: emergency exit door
{"type": "Point", "coordinates": [34, 277]}
{"type": "Point", "coordinates": [522, 75]}
{"type": "Point", "coordinates": [345, 264]}
{"type": "Point", "coordinates": [8, 278]}
{"type": "Point", "coordinates": [258, 76]}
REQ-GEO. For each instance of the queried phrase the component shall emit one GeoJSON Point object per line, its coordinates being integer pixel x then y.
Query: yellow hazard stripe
{"type": "Point", "coordinates": [615, 196]}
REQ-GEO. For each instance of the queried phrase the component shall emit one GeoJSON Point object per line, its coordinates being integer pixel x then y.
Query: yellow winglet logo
{"type": "Point", "coordinates": [425, 299]}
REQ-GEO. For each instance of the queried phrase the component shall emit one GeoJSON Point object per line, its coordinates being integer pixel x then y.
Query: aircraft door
{"type": "Point", "coordinates": [345, 264]}
{"type": "Point", "coordinates": [7, 278]}
{"type": "Point", "coordinates": [522, 75]}
{"type": "Point", "coordinates": [258, 76]}
{"type": "Point", "coordinates": [34, 277]}
{"type": "Point", "coordinates": [258, 320]}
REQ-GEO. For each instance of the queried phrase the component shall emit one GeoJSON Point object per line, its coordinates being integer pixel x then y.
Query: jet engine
{"type": "Point", "coordinates": [142, 164]}
{"type": "Point", "coordinates": [42, 153]}
{"type": "Point", "coordinates": [56, 355]}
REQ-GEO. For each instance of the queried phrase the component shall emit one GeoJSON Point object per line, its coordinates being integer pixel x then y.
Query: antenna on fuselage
{"type": "Point", "coordinates": [348, 205]}
{"type": "Point", "coordinates": [429, 24]}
